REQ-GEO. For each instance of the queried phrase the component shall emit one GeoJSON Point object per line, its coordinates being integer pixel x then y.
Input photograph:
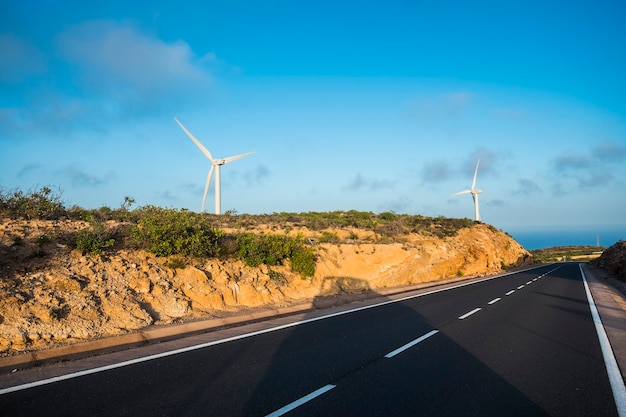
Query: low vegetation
{"type": "Point", "coordinates": [182, 234]}
{"type": "Point", "coordinates": [566, 253]}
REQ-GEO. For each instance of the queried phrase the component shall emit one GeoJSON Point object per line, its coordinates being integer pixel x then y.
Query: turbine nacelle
{"type": "Point", "coordinates": [225, 161]}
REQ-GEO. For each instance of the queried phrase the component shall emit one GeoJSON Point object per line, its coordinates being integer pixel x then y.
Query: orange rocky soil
{"type": "Point", "coordinates": [52, 295]}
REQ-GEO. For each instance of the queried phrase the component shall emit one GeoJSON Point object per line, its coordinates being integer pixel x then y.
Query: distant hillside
{"type": "Point", "coordinates": [569, 253]}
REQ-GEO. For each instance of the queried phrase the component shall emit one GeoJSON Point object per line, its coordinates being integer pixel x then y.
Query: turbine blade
{"type": "Point", "coordinates": [204, 150]}
{"type": "Point", "coordinates": [475, 174]}
{"type": "Point", "coordinates": [234, 158]}
{"type": "Point", "coordinates": [463, 192]}
{"type": "Point", "coordinates": [206, 187]}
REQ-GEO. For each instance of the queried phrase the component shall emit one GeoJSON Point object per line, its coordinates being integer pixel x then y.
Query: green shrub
{"type": "Point", "coordinates": [165, 232]}
{"type": "Point", "coordinates": [272, 250]}
{"type": "Point", "coordinates": [387, 215]}
{"type": "Point", "coordinates": [94, 240]}
{"type": "Point", "coordinates": [303, 261]}
{"type": "Point", "coordinates": [43, 203]}
{"type": "Point", "coordinates": [329, 237]}
{"type": "Point", "coordinates": [263, 249]}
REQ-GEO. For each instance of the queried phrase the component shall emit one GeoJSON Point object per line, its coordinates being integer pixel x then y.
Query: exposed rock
{"type": "Point", "coordinates": [50, 294]}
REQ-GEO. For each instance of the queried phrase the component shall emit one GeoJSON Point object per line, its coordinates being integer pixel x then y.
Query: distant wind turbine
{"type": "Point", "coordinates": [215, 166]}
{"type": "Point", "coordinates": [474, 192]}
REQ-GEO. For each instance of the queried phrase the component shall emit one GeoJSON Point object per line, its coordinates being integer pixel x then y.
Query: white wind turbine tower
{"type": "Point", "coordinates": [215, 166]}
{"type": "Point", "coordinates": [474, 192]}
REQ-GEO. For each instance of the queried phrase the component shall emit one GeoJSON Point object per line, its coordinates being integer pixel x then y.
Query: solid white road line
{"type": "Point", "coordinates": [410, 344]}
{"type": "Point", "coordinates": [301, 401]}
{"type": "Point", "coordinates": [615, 376]}
{"type": "Point", "coordinates": [476, 310]}
{"type": "Point", "coordinates": [510, 292]}
{"type": "Point", "coordinates": [495, 300]}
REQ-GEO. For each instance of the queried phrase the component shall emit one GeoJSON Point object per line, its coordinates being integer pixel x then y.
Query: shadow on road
{"type": "Point", "coordinates": [435, 377]}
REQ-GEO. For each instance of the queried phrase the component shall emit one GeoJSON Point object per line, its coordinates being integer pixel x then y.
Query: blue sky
{"type": "Point", "coordinates": [370, 106]}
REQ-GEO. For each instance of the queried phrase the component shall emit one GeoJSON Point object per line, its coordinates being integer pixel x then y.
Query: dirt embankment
{"type": "Point", "coordinates": [50, 294]}
{"type": "Point", "coordinates": [613, 260]}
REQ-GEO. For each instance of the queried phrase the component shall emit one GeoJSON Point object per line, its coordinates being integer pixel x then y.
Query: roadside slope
{"type": "Point", "coordinates": [51, 295]}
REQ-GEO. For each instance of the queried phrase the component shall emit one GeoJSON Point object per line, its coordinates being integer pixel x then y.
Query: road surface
{"type": "Point", "coordinates": [522, 344]}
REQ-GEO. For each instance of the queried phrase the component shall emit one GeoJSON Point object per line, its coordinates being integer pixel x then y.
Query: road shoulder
{"type": "Point", "coordinates": [611, 304]}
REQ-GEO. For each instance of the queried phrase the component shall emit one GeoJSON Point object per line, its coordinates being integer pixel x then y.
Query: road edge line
{"type": "Point", "coordinates": [615, 376]}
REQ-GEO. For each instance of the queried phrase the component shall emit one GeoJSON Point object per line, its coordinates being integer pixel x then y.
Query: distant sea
{"type": "Point", "coordinates": [591, 236]}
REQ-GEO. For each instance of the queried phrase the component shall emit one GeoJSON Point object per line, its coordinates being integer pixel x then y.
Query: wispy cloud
{"type": "Point", "coordinates": [118, 61]}
{"type": "Point", "coordinates": [593, 169]}
{"type": "Point", "coordinates": [572, 162]}
{"type": "Point", "coordinates": [363, 183]}
{"type": "Point", "coordinates": [256, 176]}
{"type": "Point", "coordinates": [437, 171]}
{"type": "Point", "coordinates": [79, 178]}
{"type": "Point", "coordinates": [527, 187]}
{"type": "Point", "coordinates": [399, 205]}
{"type": "Point", "coordinates": [489, 161]}
{"type": "Point", "coordinates": [496, 202]}
{"type": "Point", "coordinates": [115, 73]}
{"type": "Point", "coordinates": [31, 172]}
{"type": "Point", "coordinates": [442, 170]}
{"type": "Point", "coordinates": [168, 196]}
{"type": "Point", "coordinates": [609, 151]}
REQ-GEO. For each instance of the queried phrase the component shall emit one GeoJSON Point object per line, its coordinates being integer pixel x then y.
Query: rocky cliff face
{"type": "Point", "coordinates": [50, 294]}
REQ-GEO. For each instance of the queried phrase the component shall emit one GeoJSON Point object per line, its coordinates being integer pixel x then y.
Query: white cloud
{"type": "Point", "coordinates": [118, 61]}
{"type": "Point", "coordinates": [100, 73]}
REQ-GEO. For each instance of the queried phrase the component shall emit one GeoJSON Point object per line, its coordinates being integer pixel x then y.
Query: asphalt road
{"type": "Point", "coordinates": [518, 345]}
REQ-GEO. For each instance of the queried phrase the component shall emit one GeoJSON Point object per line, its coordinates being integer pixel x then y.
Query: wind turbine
{"type": "Point", "coordinates": [215, 166]}
{"type": "Point", "coordinates": [474, 192]}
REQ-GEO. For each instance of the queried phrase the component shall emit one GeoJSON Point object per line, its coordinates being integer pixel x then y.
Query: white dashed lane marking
{"type": "Point", "coordinates": [411, 344]}
{"type": "Point", "coordinates": [301, 401]}
{"type": "Point", "coordinates": [476, 310]}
